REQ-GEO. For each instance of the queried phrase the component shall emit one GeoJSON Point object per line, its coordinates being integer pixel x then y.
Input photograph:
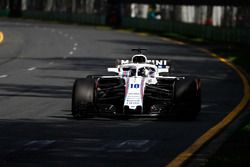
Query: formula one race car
{"type": "Point", "coordinates": [140, 87]}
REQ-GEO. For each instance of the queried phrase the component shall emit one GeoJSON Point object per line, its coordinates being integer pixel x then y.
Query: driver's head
{"type": "Point", "coordinates": [132, 72]}
{"type": "Point", "coordinates": [145, 72]}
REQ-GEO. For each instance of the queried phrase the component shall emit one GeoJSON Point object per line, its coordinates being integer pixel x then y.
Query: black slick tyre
{"type": "Point", "coordinates": [187, 98]}
{"type": "Point", "coordinates": [83, 97]}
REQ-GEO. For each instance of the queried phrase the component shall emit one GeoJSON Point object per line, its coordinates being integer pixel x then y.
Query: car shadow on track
{"type": "Point", "coordinates": [44, 91]}
{"type": "Point", "coordinates": [104, 117]}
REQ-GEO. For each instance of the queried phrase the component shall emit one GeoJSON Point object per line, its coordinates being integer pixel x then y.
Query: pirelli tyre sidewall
{"type": "Point", "coordinates": [83, 97]}
{"type": "Point", "coordinates": [187, 98]}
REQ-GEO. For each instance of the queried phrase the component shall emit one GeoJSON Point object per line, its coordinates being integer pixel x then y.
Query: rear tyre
{"type": "Point", "coordinates": [187, 98]}
{"type": "Point", "coordinates": [83, 96]}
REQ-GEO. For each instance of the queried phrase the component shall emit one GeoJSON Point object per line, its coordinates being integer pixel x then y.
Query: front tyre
{"type": "Point", "coordinates": [83, 97]}
{"type": "Point", "coordinates": [187, 98]}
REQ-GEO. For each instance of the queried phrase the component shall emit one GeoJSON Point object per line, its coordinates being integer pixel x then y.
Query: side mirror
{"type": "Point", "coordinates": [162, 70]}
{"type": "Point", "coordinates": [113, 70]}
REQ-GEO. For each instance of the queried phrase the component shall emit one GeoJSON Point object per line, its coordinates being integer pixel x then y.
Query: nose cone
{"type": "Point", "coordinates": [134, 93]}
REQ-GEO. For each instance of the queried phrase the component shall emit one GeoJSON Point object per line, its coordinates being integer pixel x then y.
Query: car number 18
{"type": "Point", "coordinates": [135, 86]}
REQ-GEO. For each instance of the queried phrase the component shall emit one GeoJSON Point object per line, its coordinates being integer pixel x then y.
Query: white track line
{"type": "Point", "coordinates": [3, 76]}
{"type": "Point", "coordinates": [31, 68]}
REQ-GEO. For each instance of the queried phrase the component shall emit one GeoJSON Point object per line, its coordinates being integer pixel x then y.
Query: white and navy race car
{"type": "Point", "coordinates": [137, 87]}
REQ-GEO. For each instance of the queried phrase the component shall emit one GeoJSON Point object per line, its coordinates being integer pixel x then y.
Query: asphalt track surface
{"type": "Point", "coordinates": [38, 64]}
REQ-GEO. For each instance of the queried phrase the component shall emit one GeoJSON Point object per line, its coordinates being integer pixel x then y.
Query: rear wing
{"type": "Point", "coordinates": [160, 70]}
{"type": "Point", "coordinates": [160, 63]}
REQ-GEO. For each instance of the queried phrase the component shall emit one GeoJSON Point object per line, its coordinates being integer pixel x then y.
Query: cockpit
{"type": "Point", "coordinates": [129, 71]}
{"type": "Point", "coordinates": [146, 72]}
{"type": "Point", "coordinates": [143, 71]}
